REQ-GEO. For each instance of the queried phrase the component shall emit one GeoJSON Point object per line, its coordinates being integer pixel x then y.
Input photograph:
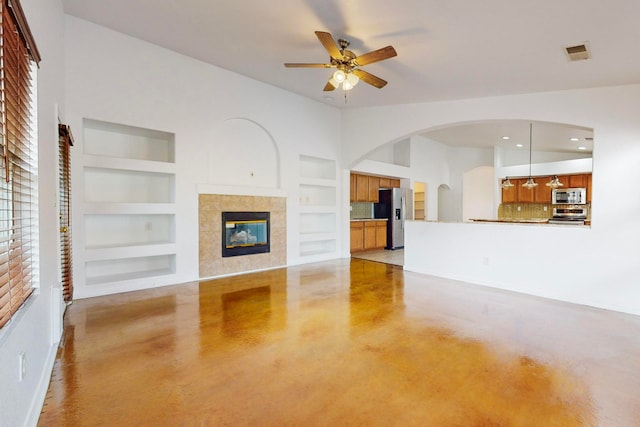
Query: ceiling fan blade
{"type": "Point", "coordinates": [328, 87]}
{"type": "Point", "coordinates": [376, 55]}
{"type": "Point", "coordinates": [370, 78]}
{"type": "Point", "coordinates": [329, 44]}
{"type": "Point", "coordinates": [303, 65]}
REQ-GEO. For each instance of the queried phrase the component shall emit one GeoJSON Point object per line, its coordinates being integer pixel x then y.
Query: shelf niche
{"type": "Point", "coordinates": [128, 177]}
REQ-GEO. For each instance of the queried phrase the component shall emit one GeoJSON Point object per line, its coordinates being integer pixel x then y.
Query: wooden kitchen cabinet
{"type": "Point", "coordinates": [578, 181]}
{"type": "Point", "coordinates": [367, 235]}
{"type": "Point", "coordinates": [374, 185]}
{"type": "Point", "coordinates": [357, 236]}
{"type": "Point", "coordinates": [352, 188]}
{"type": "Point", "coordinates": [526, 195]}
{"type": "Point", "coordinates": [542, 193]}
{"type": "Point", "coordinates": [362, 188]}
{"type": "Point", "coordinates": [510, 195]}
{"type": "Point", "coordinates": [370, 235]}
{"type": "Point", "coordinates": [381, 234]}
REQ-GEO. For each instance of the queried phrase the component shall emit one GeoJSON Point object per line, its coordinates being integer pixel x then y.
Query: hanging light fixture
{"type": "Point", "coordinates": [530, 184]}
{"type": "Point", "coordinates": [506, 184]}
{"type": "Point", "coordinates": [348, 80]}
{"type": "Point", "coordinates": [554, 183]}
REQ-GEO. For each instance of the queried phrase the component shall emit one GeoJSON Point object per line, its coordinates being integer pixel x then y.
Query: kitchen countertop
{"type": "Point", "coordinates": [368, 219]}
{"type": "Point", "coordinates": [529, 221]}
{"type": "Point", "coordinates": [513, 221]}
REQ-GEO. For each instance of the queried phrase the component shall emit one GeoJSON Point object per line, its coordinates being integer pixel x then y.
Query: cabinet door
{"type": "Point", "coordinates": [385, 183]}
{"type": "Point", "coordinates": [352, 188]}
{"type": "Point", "coordinates": [369, 234]}
{"type": "Point", "coordinates": [374, 185]}
{"type": "Point", "coordinates": [525, 195]}
{"type": "Point", "coordinates": [578, 181]}
{"type": "Point", "coordinates": [542, 191]}
{"type": "Point", "coordinates": [510, 195]}
{"type": "Point", "coordinates": [357, 236]}
{"type": "Point", "coordinates": [395, 183]}
{"type": "Point", "coordinates": [589, 177]}
{"type": "Point", "coordinates": [381, 234]}
{"type": "Point", "coordinates": [362, 188]}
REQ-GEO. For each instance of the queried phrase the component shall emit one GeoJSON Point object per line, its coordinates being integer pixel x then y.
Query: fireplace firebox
{"type": "Point", "coordinates": [245, 233]}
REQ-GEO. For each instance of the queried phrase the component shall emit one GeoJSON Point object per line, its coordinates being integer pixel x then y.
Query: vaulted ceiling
{"type": "Point", "coordinates": [451, 49]}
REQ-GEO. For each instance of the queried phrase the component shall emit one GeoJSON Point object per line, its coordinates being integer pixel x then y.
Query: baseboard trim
{"type": "Point", "coordinates": [41, 391]}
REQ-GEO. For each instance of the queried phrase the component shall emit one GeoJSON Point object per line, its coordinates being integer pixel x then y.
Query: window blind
{"type": "Point", "coordinates": [19, 159]}
{"type": "Point", "coordinates": [65, 141]}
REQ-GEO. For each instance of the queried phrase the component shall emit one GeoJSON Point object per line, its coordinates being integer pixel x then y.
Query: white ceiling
{"type": "Point", "coordinates": [446, 49]}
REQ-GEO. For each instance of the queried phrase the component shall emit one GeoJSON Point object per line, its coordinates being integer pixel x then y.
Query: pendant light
{"type": "Point", "coordinates": [554, 183]}
{"type": "Point", "coordinates": [530, 184]}
{"type": "Point", "coordinates": [506, 184]}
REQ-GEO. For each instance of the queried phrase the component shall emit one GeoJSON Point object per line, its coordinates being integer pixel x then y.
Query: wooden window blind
{"type": "Point", "coordinates": [19, 160]}
{"type": "Point", "coordinates": [65, 142]}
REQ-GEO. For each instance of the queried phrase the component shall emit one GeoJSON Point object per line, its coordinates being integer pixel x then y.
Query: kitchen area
{"type": "Point", "coordinates": [554, 199]}
{"type": "Point", "coordinates": [378, 211]}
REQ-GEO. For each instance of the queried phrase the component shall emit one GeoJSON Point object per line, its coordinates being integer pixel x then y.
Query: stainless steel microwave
{"type": "Point", "coordinates": [569, 196]}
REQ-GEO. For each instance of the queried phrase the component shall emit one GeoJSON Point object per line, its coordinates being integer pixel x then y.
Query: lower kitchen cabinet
{"type": "Point", "coordinates": [357, 236]}
{"type": "Point", "coordinates": [367, 235]}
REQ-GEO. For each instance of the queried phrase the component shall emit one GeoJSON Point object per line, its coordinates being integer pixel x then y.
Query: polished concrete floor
{"type": "Point", "coordinates": [348, 342]}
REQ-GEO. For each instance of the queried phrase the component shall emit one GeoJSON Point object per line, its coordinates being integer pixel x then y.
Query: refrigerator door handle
{"type": "Point", "coordinates": [403, 203]}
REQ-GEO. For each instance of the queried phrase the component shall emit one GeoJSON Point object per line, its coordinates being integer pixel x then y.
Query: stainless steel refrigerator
{"type": "Point", "coordinates": [395, 204]}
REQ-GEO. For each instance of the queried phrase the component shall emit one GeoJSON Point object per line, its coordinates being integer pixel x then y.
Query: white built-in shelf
{"type": "Point", "coordinates": [317, 168]}
{"type": "Point", "coordinates": [318, 193]}
{"type": "Point", "coordinates": [128, 203]}
{"type": "Point", "coordinates": [116, 252]}
{"type": "Point", "coordinates": [129, 164]}
{"type": "Point", "coordinates": [129, 208]}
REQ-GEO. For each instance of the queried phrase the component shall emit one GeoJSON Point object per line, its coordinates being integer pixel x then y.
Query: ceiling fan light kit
{"type": "Point", "coordinates": [348, 65]}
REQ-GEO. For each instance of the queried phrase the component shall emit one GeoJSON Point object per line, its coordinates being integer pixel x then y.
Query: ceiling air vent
{"type": "Point", "coordinates": [578, 52]}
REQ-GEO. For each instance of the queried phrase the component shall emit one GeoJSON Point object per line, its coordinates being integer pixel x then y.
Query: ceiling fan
{"type": "Point", "coordinates": [347, 63]}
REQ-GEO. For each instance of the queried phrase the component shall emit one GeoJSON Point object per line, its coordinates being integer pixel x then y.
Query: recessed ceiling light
{"type": "Point", "coordinates": [582, 148]}
{"type": "Point", "coordinates": [505, 137]}
{"type": "Point", "coordinates": [574, 139]}
{"type": "Point", "coordinates": [519, 145]}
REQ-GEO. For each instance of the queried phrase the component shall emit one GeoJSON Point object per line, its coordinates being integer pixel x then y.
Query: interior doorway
{"type": "Point", "coordinates": [419, 201]}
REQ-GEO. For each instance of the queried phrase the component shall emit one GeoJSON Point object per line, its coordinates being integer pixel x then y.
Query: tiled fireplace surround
{"type": "Point", "coordinates": [210, 208]}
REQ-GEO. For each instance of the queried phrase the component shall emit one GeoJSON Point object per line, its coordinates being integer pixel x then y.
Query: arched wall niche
{"type": "Point", "coordinates": [243, 153]}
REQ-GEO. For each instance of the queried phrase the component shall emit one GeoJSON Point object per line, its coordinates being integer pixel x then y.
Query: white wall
{"type": "Point", "coordinates": [606, 254]}
{"type": "Point", "coordinates": [116, 78]}
{"type": "Point", "coordinates": [35, 331]}
{"type": "Point", "coordinates": [429, 165]}
{"type": "Point", "coordinates": [477, 193]}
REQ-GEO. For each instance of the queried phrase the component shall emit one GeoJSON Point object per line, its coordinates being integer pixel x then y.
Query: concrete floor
{"type": "Point", "coordinates": [347, 342]}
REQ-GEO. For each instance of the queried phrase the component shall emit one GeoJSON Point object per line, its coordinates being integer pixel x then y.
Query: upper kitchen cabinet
{"type": "Point", "coordinates": [374, 185]}
{"type": "Point", "coordinates": [542, 193]}
{"type": "Point", "coordinates": [364, 188]}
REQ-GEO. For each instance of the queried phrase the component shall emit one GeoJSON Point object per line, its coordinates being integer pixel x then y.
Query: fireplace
{"type": "Point", "coordinates": [245, 233]}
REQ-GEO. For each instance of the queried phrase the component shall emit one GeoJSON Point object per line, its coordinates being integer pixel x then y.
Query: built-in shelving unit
{"type": "Point", "coordinates": [419, 201]}
{"type": "Point", "coordinates": [318, 207]}
{"type": "Point", "coordinates": [128, 209]}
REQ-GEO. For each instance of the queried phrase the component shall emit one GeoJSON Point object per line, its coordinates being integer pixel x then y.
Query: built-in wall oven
{"type": "Point", "coordinates": [569, 196]}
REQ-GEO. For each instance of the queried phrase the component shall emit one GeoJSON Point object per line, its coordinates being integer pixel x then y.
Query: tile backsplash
{"type": "Point", "coordinates": [530, 210]}
{"type": "Point", "coordinates": [361, 210]}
